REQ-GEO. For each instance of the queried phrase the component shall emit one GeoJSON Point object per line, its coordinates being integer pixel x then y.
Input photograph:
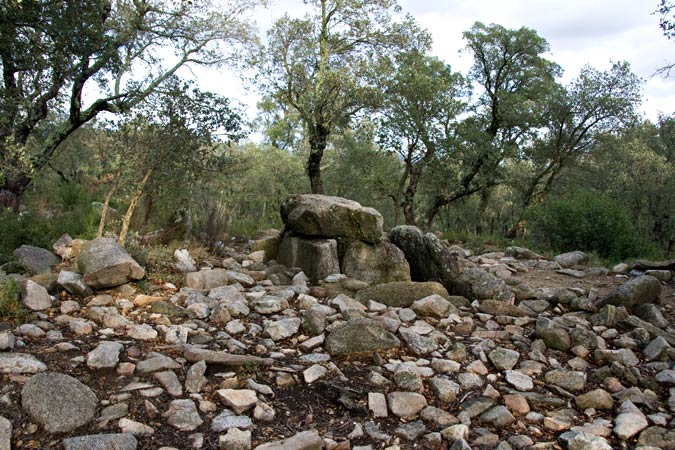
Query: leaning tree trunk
{"type": "Point", "coordinates": [104, 211]}
{"type": "Point", "coordinates": [132, 206]}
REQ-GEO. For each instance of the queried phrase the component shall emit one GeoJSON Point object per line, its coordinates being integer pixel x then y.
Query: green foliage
{"type": "Point", "coordinates": [587, 221]}
{"type": "Point", "coordinates": [41, 231]}
{"type": "Point", "coordinates": [11, 308]}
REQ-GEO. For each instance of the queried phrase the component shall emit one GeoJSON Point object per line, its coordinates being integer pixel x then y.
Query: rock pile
{"type": "Point", "coordinates": [256, 355]}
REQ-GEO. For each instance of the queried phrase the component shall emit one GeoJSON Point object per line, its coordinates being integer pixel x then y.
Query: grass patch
{"type": "Point", "coordinates": [11, 307]}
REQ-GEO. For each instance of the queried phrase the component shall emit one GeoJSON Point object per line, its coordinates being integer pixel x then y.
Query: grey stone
{"type": "Point", "coordinates": [444, 389]}
{"type": "Point", "coordinates": [195, 379]}
{"type": "Point", "coordinates": [306, 440]}
{"type": "Point", "coordinates": [571, 259]}
{"type": "Point", "coordinates": [7, 340]}
{"type": "Point", "coordinates": [170, 382]}
{"type": "Point", "coordinates": [105, 356]}
{"type": "Point", "coordinates": [333, 217]}
{"type": "Point", "coordinates": [360, 335]}
{"type": "Point", "coordinates": [103, 263]}
{"type": "Point", "coordinates": [375, 263]}
{"type": "Point", "coordinates": [282, 328]}
{"type": "Point", "coordinates": [596, 399]}
{"type": "Point", "coordinates": [429, 259]}
{"type": "Point", "coordinates": [207, 279]}
{"type": "Point", "coordinates": [183, 415]}
{"type": "Point", "coordinates": [420, 345]}
{"type": "Point", "coordinates": [504, 358]}
{"type": "Point", "coordinates": [519, 380]}
{"type": "Point", "coordinates": [411, 431]}
{"type": "Point", "coordinates": [498, 416]}
{"type": "Point", "coordinates": [629, 422]}
{"type": "Point", "coordinates": [479, 284]}
{"type": "Point", "coordinates": [36, 260]}
{"type": "Point", "coordinates": [655, 348]}
{"type": "Point", "coordinates": [567, 379]}
{"type": "Point", "coordinates": [554, 336]}
{"type": "Point", "coordinates": [400, 294]}
{"type": "Point", "coordinates": [36, 297]}
{"type": "Point", "coordinates": [58, 401]}
{"type": "Point", "coordinates": [578, 440]}
{"type": "Point", "coordinates": [406, 404]}
{"type": "Point", "coordinates": [651, 313]}
{"type": "Point", "coordinates": [644, 289]}
{"type": "Point", "coordinates": [239, 400]}
{"type": "Point", "coordinates": [74, 283]}
{"type": "Point", "coordinates": [5, 434]}
{"type": "Point", "coordinates": [121, 441]}
{"type": "Point", "coordinates": [227, 419]}
{"type": "Point", "coordinates": [20, 363]}
{"type": "Point", "coordinates": [500, 308]}
{"type": "Point", "coordinates": [156, 363]}
{"type": "Point", "coordinates": [433, 306]}
{"type": "Point", "coordinates": [313, 322]}
{"type": "Point", "coordinates": [318, 258]}
{"type": "Point", "coordinates": [183, 261]}
{"type": "Point", "coordinates": [235, 439]}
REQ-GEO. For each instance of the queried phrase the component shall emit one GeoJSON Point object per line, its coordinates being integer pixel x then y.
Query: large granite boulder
{"type": "Point", "coordinates": [332, 217]}
{"type": "Point", "coordinates": [375, 263]}
{"type": "Point", "coordinates": [429, 259]}
{"type": "Point", "coordinates": [36, 260]}
{"type": "Point", "coordinates": [401, 294]}
{"type": "Point", "coordinates": [104, 263]}
{"type": "Point", "coordinates": [59, 402]}
{"type": "Point", "coordinates": [318, 258]}
{"type": "Point", "coordinates": [644, 289]}
{"type": "Point", "coordinates": [360, 335]}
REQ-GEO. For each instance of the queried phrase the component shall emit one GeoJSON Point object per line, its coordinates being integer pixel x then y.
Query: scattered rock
{"type": "Point", "coordinates": [35, 297]}
{"type": "Point", "coordinates": [20, 363]}
{"type": "Point", "coordinates": [640, 290]}
{"type": "Point", "coordinates": [400, 294]}
{"type": "Point", "coordinates": [36, 260]}
{"type": "Point", "coordinates": [120, 441]}
{"type": "Point", "coordinates": [183, 415]}
{"type": "Point", "coordinates": [360, 335]}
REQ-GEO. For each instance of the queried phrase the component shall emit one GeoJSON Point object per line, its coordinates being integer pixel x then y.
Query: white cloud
{"type": "Point", "coordinates": [579, 32]}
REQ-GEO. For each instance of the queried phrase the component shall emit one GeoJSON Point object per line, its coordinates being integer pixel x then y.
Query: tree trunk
{"type": "Point", "coordinates": [132, 206]}
{"type": "Point", "coordinates": [409, 197]}
{"type": "Point", "coordinates": [104, 211]}
{"type": "Point", "coordinates": [318, 141]}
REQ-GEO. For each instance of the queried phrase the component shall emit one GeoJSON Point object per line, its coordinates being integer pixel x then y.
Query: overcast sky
{"type": "Point", "coordinates": [579, 32]}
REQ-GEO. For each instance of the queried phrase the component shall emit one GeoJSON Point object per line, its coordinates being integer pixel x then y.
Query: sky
{"type": "Point", "coordinates": [579, 32]}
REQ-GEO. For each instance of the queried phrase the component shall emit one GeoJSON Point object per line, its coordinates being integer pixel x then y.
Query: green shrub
{"type": "Point", "coordinates": [34, 229]}
{"type": "Point", "coordinates": [11, 308]}
{"type": "Point", "coordinates": [585, 221]}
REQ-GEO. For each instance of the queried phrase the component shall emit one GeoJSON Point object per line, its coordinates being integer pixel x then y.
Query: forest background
{"type": "Point", "coordinates": [102, 131]}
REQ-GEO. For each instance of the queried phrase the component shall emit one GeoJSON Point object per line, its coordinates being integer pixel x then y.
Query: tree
{"type": "Point", "coordinates": [595, 104]}
{"type": "Point", "coordinates": [667, 24]}
{"type": "Point", "coordinates": [67, 61]}
{"type": "Point", "coordinates": [421, 103]}
{"type": "Point", "coordinates": [174, 137]}
{"type": "Point", "coordinates": [322, 66]}
{"type": "Point", "coordinates": [515, 81]}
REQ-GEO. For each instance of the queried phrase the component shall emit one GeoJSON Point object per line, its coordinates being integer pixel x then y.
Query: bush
{"type": "Point", "coordinates": [33, 229]}
{"type": "Point", "coordinates": [585, 221]}
{"type": "Point", "coordinates": [11, 307]}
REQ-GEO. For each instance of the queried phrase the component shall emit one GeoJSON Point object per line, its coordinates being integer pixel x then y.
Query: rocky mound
{"type": "Point", "coordinates": [256, 355]}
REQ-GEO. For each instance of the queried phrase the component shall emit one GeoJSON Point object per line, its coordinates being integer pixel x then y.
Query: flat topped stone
{"type": "Point", "coordinates": [401, 294]}
{"type": "Point", "coordinates": [306, 440]}
{"type": "Point", "coordinates": [36, 260]}
{"type": "Point", "coordinates": [118, 441]}
{"type": "Point", "coordinates": [333, 217]}
{"type": "Point", "coordinates": [20, 363]}
{"type": "Point", "coordinates": [360, 335]}
{"type": "Point", "coordinates": [59, 402]}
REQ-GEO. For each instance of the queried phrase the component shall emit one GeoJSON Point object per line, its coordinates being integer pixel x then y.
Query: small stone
{"type": "Point", "coordinates": [155, 363]}
{"type": "Point", "coordinates": [377, 404]}
{"type": "Point", "coordinates": [105, 356]}
{"type": "Point", "coordinates": [235, 439]}
{"type": "Point", "coordinates": [195, 379]}
{"type": "Point", "coordinates": [121, 441]}
{"type": "Point", "coordinates": [7, 340]}
{"type": "Point", "coordinates": [411, 431]}
{"type": "Point", "coordinates": [655, 348]}
{"type": "Point", "coordinates": [306, 440]}
{"type": "Point", "coordinates": [183, 415]}
{"type": "Point", "coordinates": [596, 399]}
{"type": "Point", "coordinates": [142, 332]}
{"type": "Point", "coordinates": [5, 434]}
{"type": "Point", "coordinates": [519, 380]}
{"type": "Point", "coordinates": [239, 400]}
{"type": "Point", "coordinates": [516, 403]}
{"type": "Point", "coordinates": [227, 419]}
{"type": "Point", "coordinates": [504, 358]}
{"type": "Point", "coordinates": [20, 363]}
{"type": "Point", "coordinates": [314, 373]}
{"type": "Point", "coordinates": [36, 298]}
{"type": "Point", "coordinates": [170, 382]}
{"type": "Point", "coordinates": [629, 422]}
{"type": "Point", "coordinates": [406, 404]}
{"type": "Point", "coordinates": [433, 306]}
{"type": "Point", "coordinates": [566, 379]}
{"type": "Point", "coordinates": [576, 440]}
{"type": "Point", "coordinates": [455, 433]}
{"type": "Point", "coordinates": [135, 428]}
{"type": "Point", "coordinates": [498, 416]}
{"type": "Point", "coordinates": [282, 329]}
{"type": "Point", "coordinates": [264, 412]}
